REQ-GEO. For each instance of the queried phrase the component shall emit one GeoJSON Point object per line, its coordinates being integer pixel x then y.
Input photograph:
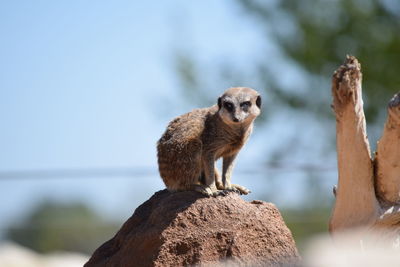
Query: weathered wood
{"type": "Point", "coordinates": [388, 156]}
{"type": "Point", "coordinates": [356, 203]}
{"type": "Point", "coordinates": [368, 189]}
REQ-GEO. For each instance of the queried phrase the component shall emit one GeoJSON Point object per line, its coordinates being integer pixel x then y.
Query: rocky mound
{"type": "Point", "coordinates": [185, 228]}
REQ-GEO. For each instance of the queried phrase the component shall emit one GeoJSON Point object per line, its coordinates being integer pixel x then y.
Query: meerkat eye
{"type": "Point", "coordinates": [228, 106]}
{"type": "Point", "coordinates": [245, 105]}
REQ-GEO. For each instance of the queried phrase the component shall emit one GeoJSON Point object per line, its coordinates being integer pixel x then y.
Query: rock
{"type": "Point", "coordinates": [185, 228]}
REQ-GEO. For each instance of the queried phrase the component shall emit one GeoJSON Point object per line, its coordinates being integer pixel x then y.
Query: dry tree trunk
{"type": "Point", "coordinates": [368, 191]}
{"type": "Point", "coordinates": [388, 155]}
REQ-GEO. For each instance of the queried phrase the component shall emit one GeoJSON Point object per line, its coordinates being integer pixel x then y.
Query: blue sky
{"type": "Point", "coordinates": [87, 84]}
{"type": "Point", "coordinates": [92, 84]}
{"type": "Point", "coordinates": [80, 82]}
{"type": "Point", "coordinates": [75, 78]}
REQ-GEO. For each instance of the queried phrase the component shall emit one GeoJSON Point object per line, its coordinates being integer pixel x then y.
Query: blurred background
{"type": "Point", "coordinates": [88, 87]}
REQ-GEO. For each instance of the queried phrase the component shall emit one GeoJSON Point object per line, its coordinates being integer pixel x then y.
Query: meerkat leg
{"type": "Point", "coordinates": [388, 156]}
{"type": "Point", "coordinates": [218, 184]}
{"type": "Point", "coordinates": [356, 203]}
{"type": "Point", "coordinates": [199, 185]}
{"type": "Point", "coordinates": [218, 179]}
{"type": "Point", "coordinates": [201, 189]}
{"type": "Point", "coordinates": [227, 168]}
{"type": "Point", "coordinates": [209, 187]}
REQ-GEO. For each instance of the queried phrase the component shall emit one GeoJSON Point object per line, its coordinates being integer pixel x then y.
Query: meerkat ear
{"type": "Point", "coordinates": [258, 101]}
{"type": "Point", "coordinates": [219, 102]}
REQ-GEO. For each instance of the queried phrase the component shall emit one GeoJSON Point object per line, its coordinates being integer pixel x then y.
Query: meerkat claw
{"type": "Point", "coordinates": [235, 190]}
{"type": "Point", "coordinates": [221, 193]}
{"type": "Point", "coordinates": [227, 191]}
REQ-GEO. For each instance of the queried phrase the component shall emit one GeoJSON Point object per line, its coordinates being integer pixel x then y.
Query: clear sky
{"type": "Point", "coordinates": [91, 84]}
{"type": "Point", "coordinates": [83, 83]}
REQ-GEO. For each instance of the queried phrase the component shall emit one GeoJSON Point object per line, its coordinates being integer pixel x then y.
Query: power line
{"type": "Point", "coordinates": [77, 173]}
{"type": "Point", "coordinates": [134, 172]}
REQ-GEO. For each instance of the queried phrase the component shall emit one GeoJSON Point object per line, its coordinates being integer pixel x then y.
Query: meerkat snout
{"type": "Point", "coordinates": [239, 105]}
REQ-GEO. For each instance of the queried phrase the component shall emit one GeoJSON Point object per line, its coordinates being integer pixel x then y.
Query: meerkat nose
{"type": "Point", "coordinates": [235, 119]}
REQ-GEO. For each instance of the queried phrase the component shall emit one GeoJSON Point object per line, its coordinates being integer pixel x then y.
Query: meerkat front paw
{"type": "Point", "coordinates": [242, 190]}
{"type": "Point", "coordinates": [209, 191]}
{"type": "Point", "coordinates": [236, 188]}
{"type": "Point", "coordinates": [205, 190]}
{"type": "Point", "coordinates": [232, 189]}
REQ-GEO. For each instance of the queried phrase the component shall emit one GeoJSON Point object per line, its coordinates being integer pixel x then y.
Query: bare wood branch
{"type": "Point", "coordinates": [368, 192]}
{"type": "Point", "coordinates": [356, 204]}
{"type": "Point", "coordinates": [388, 156]}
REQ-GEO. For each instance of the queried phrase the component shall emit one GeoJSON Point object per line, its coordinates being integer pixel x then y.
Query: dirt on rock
{"type": "Point", "coordinates": [185, 228]}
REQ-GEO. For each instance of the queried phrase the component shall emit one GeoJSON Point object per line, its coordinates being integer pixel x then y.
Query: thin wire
{"type": "Point", "coordinates": [140, 172]}
{"type": "Point", "coordinates": [76, 173]}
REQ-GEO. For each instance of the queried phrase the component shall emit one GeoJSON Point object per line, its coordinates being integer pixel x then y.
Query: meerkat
{"type": "Point", "coordinates": [193, 142]}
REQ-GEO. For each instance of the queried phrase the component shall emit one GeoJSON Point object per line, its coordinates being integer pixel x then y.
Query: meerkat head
{"type": "Point", "coordinates": [239, 105]}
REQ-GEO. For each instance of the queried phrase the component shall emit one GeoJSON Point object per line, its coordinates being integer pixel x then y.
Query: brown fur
{"type": "Point", "coordinates": [192, 142]}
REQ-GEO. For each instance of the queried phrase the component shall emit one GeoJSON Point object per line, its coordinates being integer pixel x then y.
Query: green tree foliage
{"type": "Point", "coordinates": [317, 34]}
{"type": "Point", "coordinates": [55, 226]}
{"type": "Point", "coordinates": [313, 37]}
{"type": "Point", "coordinates": [306, 223]}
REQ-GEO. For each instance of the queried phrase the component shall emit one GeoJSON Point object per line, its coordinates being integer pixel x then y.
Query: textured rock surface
{"type": "Point", "coordinates": [185, 228]}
